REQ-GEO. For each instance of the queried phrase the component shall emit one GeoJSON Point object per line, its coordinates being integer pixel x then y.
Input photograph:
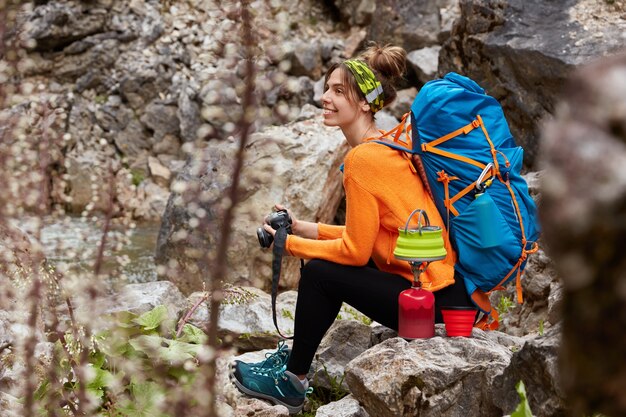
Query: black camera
{"type": "Point", "coordinates": [276, 220]}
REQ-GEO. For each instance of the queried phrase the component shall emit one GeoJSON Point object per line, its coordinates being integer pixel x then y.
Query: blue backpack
{"type": "Point", "coordinates": [462, 148]}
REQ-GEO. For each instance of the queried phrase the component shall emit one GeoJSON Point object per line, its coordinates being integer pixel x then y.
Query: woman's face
{"type": "Point", "coordinates": [339, 108]}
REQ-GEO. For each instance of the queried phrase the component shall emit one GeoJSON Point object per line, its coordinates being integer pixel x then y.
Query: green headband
{"type": "Point", "coordinates": [368, 84]}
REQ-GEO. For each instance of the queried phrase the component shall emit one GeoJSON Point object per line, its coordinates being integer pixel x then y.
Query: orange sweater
{"type": "Point", "coordinates": [382, 189]}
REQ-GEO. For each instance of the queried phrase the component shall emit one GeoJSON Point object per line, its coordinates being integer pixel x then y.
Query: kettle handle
{"type": "Point", "coordinates": [419, 224]}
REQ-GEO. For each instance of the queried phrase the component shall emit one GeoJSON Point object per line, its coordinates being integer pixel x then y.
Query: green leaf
{"type": "Point", "coordinates": [42, 390]}
{"type": "Point", "coordinates": [125, 319]}
{"type": "Point", "coordinates": [178, 352]}
{"type": "Point", "coordinates": [147, 344]}
{"type": "Point", "coordinates": [146, 397]}
{"type": "Point", "coordinates": [153, 318]}
{"type": "Point", "coordinates": [192, 334]}
{"type": "Point", "coordinates": [523, 408]}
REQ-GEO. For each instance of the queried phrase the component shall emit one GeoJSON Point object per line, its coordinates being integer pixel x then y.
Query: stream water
{"type": "Point", "coordinates": [74, 243]}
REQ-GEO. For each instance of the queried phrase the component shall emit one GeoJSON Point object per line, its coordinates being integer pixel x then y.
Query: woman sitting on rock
{"type": "Point", "coordinates": [354, 263]}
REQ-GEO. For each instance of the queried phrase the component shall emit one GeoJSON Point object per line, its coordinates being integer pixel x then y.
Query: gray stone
{"type": "Point", "coordinates": [161, 119]}
{"type": "Point", "coordinates": [242, 404]}
{"type": "Point", "coordinates": [491, 45]}
{"type": "Point", "coordinates": [346, 407]}
{"type": "Point", "coordinates": [344, 341]}
{"type": "Point", "coordinates": [159, 173]}
{"type": "Point", "coordinates": [429, 377]}
{"type": "Point", "coordinates": [407, 23]}
{"type": "Point", "coordinates": [57, 24]}
{"type": "Point", "coordinates": [305, 58]}
{"type": "Point", "coordinates": [188, 116]}
{"type": "Point", "coordinates": [356, 12]}
{"type": "Point", "coordinates": [536, 364]}
{"type": "Point", "coordinates": [385, 120]}
{"type": "Point", "coordinates": [296, 165]}
{"type": "Point", "coordinates": [10, 406]}
{"type": "Point", "coordinates": [402, 104]}
{"type": "Point", "coordinates": [424, 62]}
{"type": "Point", "coordinates": [101, 56]}
{"type": "Point", "coordinates": [140, 298]}
{"type": "Point", "coordinates": [248, 324]}
{"type": "Point", "coordinates": [133, 141]}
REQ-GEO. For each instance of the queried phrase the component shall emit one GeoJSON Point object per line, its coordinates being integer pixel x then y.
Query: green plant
{"type": "Point", "coordinates": [287, 314]}
{"type": "Point", "coordinates": [100, 99]}
{"type": "Point", "coordinates": [137, 176]}
{"type": "Point", "coordinates": [129, 367]}
{"type": "Point", "coordinates": [354, 314]}
{"type": "Point", "coordinates": [523, 408]}
{"type": "Point", "coordinates": [504, 305]}
{"type": "Point", "coordinates": [541, 327]}
{"type": "Point", "coordinates": [321, 396]}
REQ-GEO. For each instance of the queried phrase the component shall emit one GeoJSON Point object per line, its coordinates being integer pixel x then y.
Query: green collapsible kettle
{"type": "Point", "coordinates": [420, 246]}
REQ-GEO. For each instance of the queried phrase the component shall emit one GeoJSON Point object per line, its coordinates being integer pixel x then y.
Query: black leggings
{"type": "Point", "coordinates": [325, 285]}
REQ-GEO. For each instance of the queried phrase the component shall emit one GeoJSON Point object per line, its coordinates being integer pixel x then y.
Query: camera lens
{"type": "Point", "coordinates": [265, 239]}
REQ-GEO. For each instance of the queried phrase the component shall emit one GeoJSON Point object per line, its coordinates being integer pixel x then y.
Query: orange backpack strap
{"type": "Point", "coordinates": [489, 320]}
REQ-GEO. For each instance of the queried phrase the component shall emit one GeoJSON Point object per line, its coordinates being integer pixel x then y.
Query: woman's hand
{"type": "Point", "coordinates": [299, 227]}
{"type": "Point", "coordinates": [294, 221]}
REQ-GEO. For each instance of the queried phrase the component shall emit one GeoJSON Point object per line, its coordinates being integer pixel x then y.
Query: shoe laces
{"type": "Point", "coordinates": [275, 359]}
{"type": "Point", "coordinates": [277, 374]}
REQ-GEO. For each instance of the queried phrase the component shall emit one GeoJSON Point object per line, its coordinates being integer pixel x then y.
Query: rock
{"type": "Point", "coordinates": [402, 103]}
{"type": "Point", "coordinates": [248, 323]}
{"type": "Point", "coordinates": [86, 68]}
{"type": "Point", "coordinates": [245, 319]}
{"type": "Point", "coordinates": [490, 44]}
{"type": "Point", "coordinates": [242, 404]}
{"type": "Point", "coordinates": [14, 367]}
{"type": "Point", "coordinates": [381, 333]}
{"type": "Point", "coordinates": [296, 165]}
{"type": "Point", "coordinates": [385, 121]}
{"type": "Point", "coordinates": [305, 58]}
{"type": "Point", "coordinates": [424, 62]}
{"type": "Point", "coordinates": [188, 116]}
{"type": "Point", "coordinates": [582, 204]}
{"type": "Point", "coordinates": [91, 173]}
{"type": "Point", "coordinates": [410, 24]}
{"type": "Point", "coordinates": [346, 407]}
{"type": "Point", "coordinates": [57, 24]}
{"type": "Point", "coordinates": [344, 341]}
{"type": "Point", "coordinates": [140, 298]}
{"type": "Point", "coordinates": [161, 119]}
{"type": "Point", "coordinates": [356, 12]}
{"type": "Point", "coordinates": [159, 173]}
{"type": "Point", "coordinates": [538, 282]}
{"type": "Point", "coordinates": [133, 141]}
{"type": "Point", "coordinates": [140, 82]}
{"type": "Point", "coordinates": [429, 377]}
{"type": "Point", "coordinates": [10, 406]}
{"type": "Point", "coordinates": [536, 364]}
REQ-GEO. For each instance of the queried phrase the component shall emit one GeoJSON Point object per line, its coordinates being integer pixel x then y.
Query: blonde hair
{"type": "Point", "coordinates": [387, 62]}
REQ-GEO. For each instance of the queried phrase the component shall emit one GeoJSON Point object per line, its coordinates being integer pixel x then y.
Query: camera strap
{"type": "Point", "coordinates": [280, 239]}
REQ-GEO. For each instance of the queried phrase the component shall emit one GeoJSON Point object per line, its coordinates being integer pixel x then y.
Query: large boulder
{"type": "Point", "coordinates": [582, 210]}
{"type": "Point", "coordinates": [536, 364]}
{"type": "Point", "coordinates": [407, 23]}
{"type": "Point", "coordinates": [440, 376]}
{"type": "Point", "coordinates": [296, 165]}
{"type": "Point", "coordinates": [521, 52]}
{"type": "Point", "coordinates": [344, 341]}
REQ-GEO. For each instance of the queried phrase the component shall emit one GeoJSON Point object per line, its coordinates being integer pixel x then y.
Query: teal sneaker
{"type": "Point", "coordinates": [277, 385]}
{"type": "Point", "coordinates": [272, 360]}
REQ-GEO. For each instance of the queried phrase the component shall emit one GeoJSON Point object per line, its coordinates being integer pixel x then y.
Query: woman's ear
{"type": "Point", "coordinates": [364, 105]}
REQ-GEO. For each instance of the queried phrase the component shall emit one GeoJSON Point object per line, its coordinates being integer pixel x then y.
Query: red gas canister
{"type": "Point", "coordinates": [416, 318]}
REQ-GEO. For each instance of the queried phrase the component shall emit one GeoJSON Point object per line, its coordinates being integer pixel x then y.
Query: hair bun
{"type": "Point", "coordinates": [388, 60]}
